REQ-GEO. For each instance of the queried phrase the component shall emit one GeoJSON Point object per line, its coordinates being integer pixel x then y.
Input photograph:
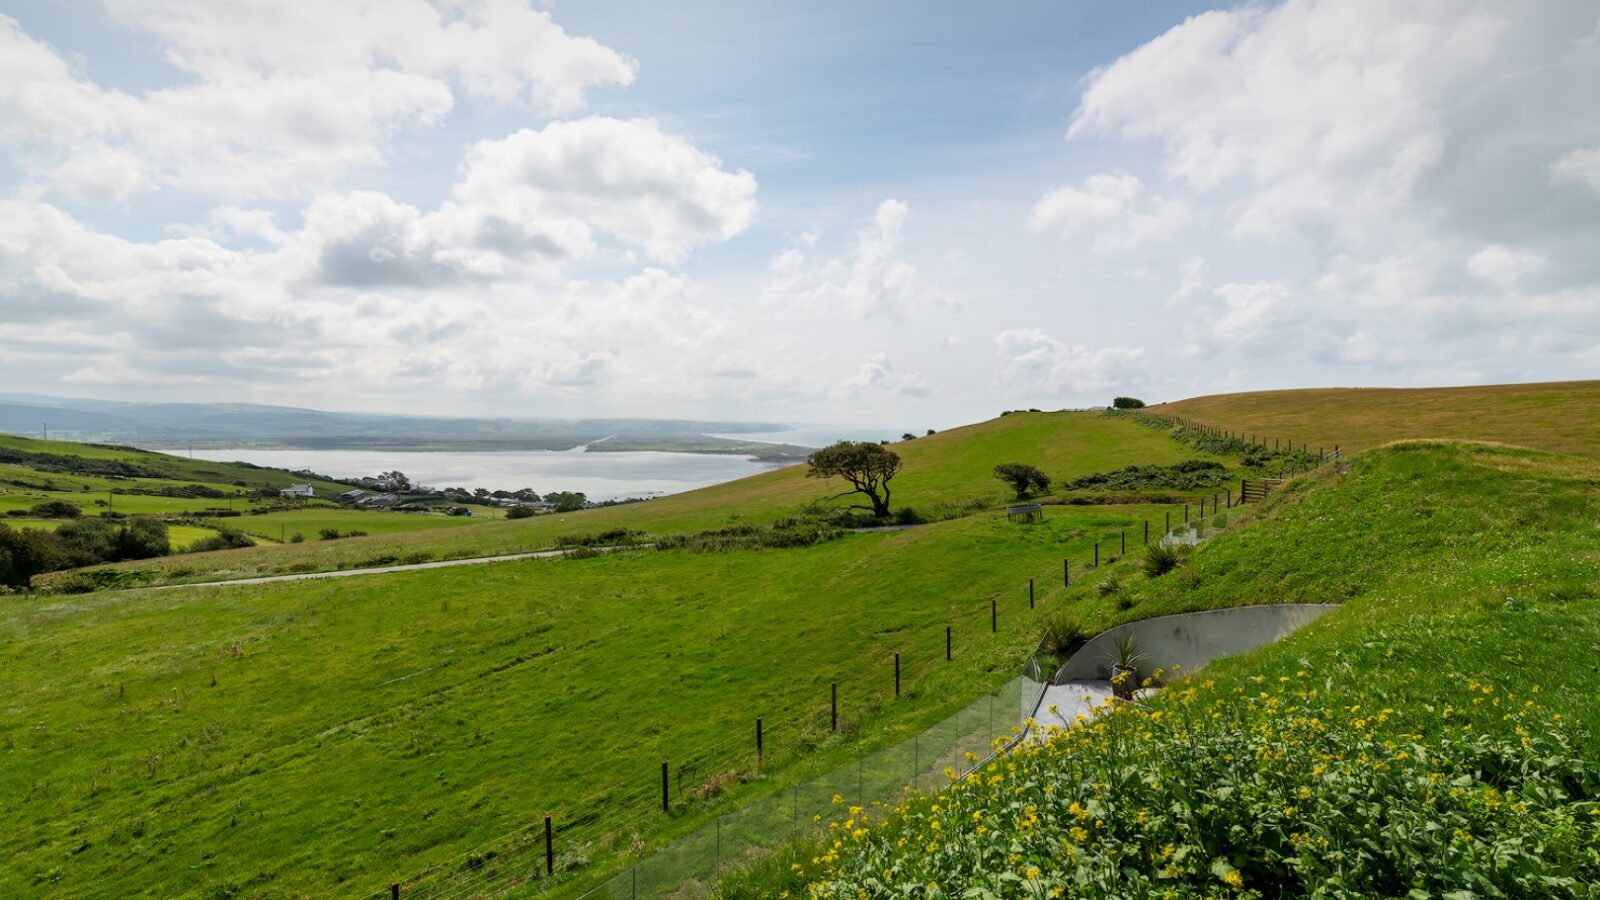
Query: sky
{"type": "Point", "coordinates": [917, 213]}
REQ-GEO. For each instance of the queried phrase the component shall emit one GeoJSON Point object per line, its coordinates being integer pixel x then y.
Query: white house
{"type": "Point", "coordinates": [299, 490]}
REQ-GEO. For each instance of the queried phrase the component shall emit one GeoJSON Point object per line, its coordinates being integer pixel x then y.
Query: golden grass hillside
{"type": "Point", "coordinates": [1559, 416]}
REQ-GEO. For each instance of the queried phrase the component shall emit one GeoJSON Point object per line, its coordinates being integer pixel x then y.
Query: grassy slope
{"type": "Point", "coordinates": [1424, 543]}
{"type": "Point", "coordinates": [1561, 417]}
{"type": "Point", "coordinates": [454, 705]}
{"type": "Point", "coordinates": [951, 467]}
{"type": "Point", "coordinates": [176, 468]}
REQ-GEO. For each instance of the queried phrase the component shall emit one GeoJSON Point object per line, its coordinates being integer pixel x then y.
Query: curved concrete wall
{"type": "Point", "coordinates": [1192, 639]}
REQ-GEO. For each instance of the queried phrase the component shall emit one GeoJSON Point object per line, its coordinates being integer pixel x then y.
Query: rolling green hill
{"type": "Point", "coordinates": [1434, 737]}
{"type": "Point", "coordinates": [949, 473]}
{"type": "Point", "coordinates": [1561, 417]}
{"type": "Point", "coordinates": [327, 737]}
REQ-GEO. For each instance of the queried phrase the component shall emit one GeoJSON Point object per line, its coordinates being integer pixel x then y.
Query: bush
{"type": "Point", "coordinates": [55, 509]}
{"type": "Point", "coordinates": [612, 538]}
{"type": "Point", "coordinates": [1161, 558]}
{"type": "Point", "coordinates": [296, 538]}
{"type": "Point", "coordinates": [225, 539]}
{"type": "Point", "coordinates": [790, 533]}
{"type": "Point", "coordinates": [1127, 403]}
{"type": "Point", "coordinates": [1191, 474]}
{"type": "Point", "coordinates": [329, 534]}
{"type": "Point", "coordinates": [520, 512]}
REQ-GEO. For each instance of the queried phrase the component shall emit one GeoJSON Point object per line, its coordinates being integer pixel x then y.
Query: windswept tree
{"type": "Point", "coordinates": [868, 467]}
{"type": "Point", "coordinates": [1127, 403]}
{"type": "Point", "coordinates": [1023, 478]}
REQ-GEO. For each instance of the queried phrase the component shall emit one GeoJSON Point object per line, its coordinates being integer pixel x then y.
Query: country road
{"type": "Point", "coordinates": [383, 570]}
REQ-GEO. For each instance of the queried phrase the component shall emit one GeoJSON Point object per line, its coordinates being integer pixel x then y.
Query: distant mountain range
{"type": "Point", "coordinates": [211, 425]}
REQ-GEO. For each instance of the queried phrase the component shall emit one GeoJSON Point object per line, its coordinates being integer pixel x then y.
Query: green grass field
{"type": "Point", "coordinates": [941, 474]}
{"type": "Point", "coordinates": [451, 705]}
{"type": "Point", "coordinates": [330, 736]}
{"type": "Point", "coordinates": [1561, 417]}
{"type": "Point", "coordinates": [1436, 735]}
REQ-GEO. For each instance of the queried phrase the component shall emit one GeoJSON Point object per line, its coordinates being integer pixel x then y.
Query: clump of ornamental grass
{"type": "Point", "coordinates": [1162, 557]}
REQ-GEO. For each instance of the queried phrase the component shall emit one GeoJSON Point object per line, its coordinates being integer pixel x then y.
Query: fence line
{"type": "Point", "coordinates": [543, 854]}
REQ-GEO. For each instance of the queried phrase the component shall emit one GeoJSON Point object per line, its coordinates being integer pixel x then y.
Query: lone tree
{"type": "Point", "coordinates": [867, 466]}
{"type": "Point", "coordinates": [1127, 403]}
{"type": "Point", "coordinates": [1023, 478]}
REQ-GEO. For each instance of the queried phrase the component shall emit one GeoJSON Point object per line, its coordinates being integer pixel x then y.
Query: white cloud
{"type": "Point", "coordinates": [878, 374]}
{"type": "Point", "coordinates": [1114, 208]}
{"type": "Point", "coordinates": [1504, 266]}
{"type": "Point", "coordinates": [283, 96]}
{"type": "Point", "coordinates": [1322, 107]}
{"type": "Point", "coordinates": [630, 179]}
{"type": "Point", "coordinates": [1579, 167]}
{"type": "Point", "coordinates": [873, 280]}
{"type": "Point", "coordinates": [1040, 366]}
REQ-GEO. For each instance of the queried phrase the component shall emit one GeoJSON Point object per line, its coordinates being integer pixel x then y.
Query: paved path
{"type": "Point", "coordinates": [381, 570]}
{"type": "Point", "coordinates": [1070, 700]}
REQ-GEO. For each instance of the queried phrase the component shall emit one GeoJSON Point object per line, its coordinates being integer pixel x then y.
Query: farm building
{"type": "Point", "coordinates": [299, 490]}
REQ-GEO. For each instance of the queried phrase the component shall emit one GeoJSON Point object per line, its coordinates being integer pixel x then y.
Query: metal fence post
{"type": "Point", "coordinates": [897, 674]}
{"type": "Point", "coordinates": [947, 656]}
{"type": "Point", "coordinates": [1030, 593]}
{"type": "Point", "coordinates": [835, 707]}
{"type": "Point", "coordinates": [394, 891]}
{"type": "Point", "coordinates": [759, 749]}
{"type": "Point", "coordinates": [549, 849]}
{"type": "Point", "coordinates": [994, 617]}
{"type": "Point", "coordinates": [665, 794]}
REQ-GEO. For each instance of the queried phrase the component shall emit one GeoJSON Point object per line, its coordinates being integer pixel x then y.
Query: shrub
{"type": "Point", "coordinates": [55, 509]}
{"type": "Point", "coordinates": [519, 512]}
{"type": "Point", "coordinates": [296, 538]}
{"type": "Point", "coordinates": [224, 539]}
{"type": "Point", "coordinates": [1161, 558]}
{"type": "Point", "coordinates": [1127, 403]}
{"type": "Point", "coordinates": [329, 534]}
{"type": "Point", "coordinates": [1061, 632]}
{"type": "Point", "coordinates": [612, 538]}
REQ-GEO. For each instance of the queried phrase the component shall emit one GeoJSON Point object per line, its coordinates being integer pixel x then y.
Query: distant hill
{"type": "Point", "coordinates": [1560, 416]}
{"type": "Point", "coordinates": [174, 425]}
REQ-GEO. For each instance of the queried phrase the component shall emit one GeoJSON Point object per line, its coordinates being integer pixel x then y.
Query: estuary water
{"type": "Point", "coordinates": [600, 475]}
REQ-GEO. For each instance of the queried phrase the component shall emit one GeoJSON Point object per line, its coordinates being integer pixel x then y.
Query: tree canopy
{"type": "Point", "coordinates": [1023, 478]}
{"type": "Point", "coordinates": [868, 467]}
{"type": "Point", "coordinates": [1127, 403]}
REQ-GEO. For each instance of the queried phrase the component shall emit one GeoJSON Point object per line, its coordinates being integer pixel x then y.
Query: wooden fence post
{"type": "Point", "coordinates": [897, 674]}
{"type": "Point", "coordinates": [1147, 532]}
{"type": "Point", "coordinates": [994, 617]}
{"type": "Point", "coordinates": [1097, 554]}
{"type": "Point", "coordinates": [760, 750]}
{"type": "Point", "coordinates": [665, 794]}
{"type": "Point", "coordinates": [394, 891]}
{"type": "Point", "coordinates": [834, 726]}
{"type": "Point", "coordinates": [947, 656]}
{"type": "Point", "coordinates": [549, 849]}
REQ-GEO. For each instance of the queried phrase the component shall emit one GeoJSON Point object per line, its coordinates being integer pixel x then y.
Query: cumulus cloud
{"type": "Point", "coordinates": [1416, 159]}
{"type": "Point", "coordinates": [871, 280]}
{"type": "Point", "coordinates": [878, 374]}
{"type": "Point", "coordinates": [1579, 167]}
{"type": "Point", "coordinates": [1504, 266]}
{"type": "Point", "coordinates": [1114, 208]}
{"type": "Point", "coordinates": [1038, 365]}
{"type": "Point", "coordinates": [283, 96]}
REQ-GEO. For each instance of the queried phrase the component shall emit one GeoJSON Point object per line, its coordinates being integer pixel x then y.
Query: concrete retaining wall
{"type": "Point", "coordinates": [1192, 639]}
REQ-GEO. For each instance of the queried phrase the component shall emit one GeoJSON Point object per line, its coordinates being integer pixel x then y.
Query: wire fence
{"type": "Point", "coordinates": [621, 820]}
{"type": "Point", "coordinates": [924, 762]}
